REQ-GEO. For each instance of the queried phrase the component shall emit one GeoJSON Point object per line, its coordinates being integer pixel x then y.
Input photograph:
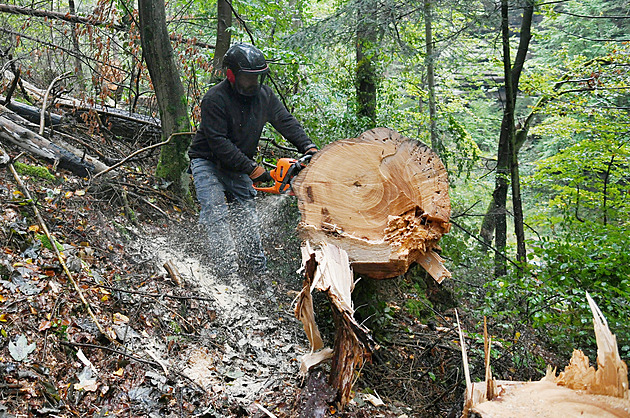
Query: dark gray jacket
{"type": "Point", "coordinates": [231, 125]}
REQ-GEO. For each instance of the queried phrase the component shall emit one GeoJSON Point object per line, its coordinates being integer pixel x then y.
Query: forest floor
{"type": "Point", "coordinates": [153, 344]}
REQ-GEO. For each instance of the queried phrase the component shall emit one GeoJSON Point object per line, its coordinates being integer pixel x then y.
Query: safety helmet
{"type": "Point", "coordinates": [245, 63]}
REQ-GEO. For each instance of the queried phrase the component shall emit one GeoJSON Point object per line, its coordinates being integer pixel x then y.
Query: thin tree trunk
{"type": "Point", "coordinates": [516, 139]}
{"type": "Point", "coordinates": [169, 92]}
{"type": "Point", "coordinates": [366, 78]}
{"type": "Point", "coordinates": [78, 67]}
{"type": "Point", "coordinates": [507, 155]}
{"type": "Point", "coordinates": [436, 143]}
{"type": "Point", "coordinates": [224, 37]}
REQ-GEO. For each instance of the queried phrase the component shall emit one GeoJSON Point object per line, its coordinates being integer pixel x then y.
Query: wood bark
{"type": "Point", "coordinates": [381, 197]}
{"type": "Point", "coordinates": [169, 92]}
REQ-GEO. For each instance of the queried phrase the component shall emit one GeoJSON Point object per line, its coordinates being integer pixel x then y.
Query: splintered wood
{"type": "Point", "coordinates": [579, 391]}
{"type": "Point", "coordinates": [381, 197]}
{"type": "Point", "coordinates": [327, 269]}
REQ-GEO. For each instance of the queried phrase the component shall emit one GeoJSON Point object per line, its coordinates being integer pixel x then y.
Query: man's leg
{"type": "Point", "coordinates": [214, 217]}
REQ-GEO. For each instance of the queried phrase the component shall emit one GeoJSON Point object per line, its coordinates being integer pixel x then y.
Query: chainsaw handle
{"type": "Point", "coordinates": [270, 189]}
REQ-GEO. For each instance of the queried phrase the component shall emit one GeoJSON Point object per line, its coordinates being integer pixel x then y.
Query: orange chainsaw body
{"type": "Point", "coordinates": [278, 174]}
{"type": "Point", "coordinates": [286, 169]}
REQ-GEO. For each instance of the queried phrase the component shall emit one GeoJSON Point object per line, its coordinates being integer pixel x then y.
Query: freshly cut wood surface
{"type": "Point", "coordinates": [580, 390]}
{"type": "Point", "coordinates": [381, 197]}
{"type": "Point", "coordinates": [545, 399]}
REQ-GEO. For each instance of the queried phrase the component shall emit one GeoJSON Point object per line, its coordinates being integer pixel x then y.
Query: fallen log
{"type": "Point", "coordinates": [579, 391]}
{"type": "Point", "coordinates": [66, 156]}
{"type": "Point", "coordinates": [119, 122]}
{"type": "Point", "coordinates": [381, 197]}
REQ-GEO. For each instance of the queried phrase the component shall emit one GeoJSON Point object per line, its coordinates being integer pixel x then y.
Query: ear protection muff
{"type": "Point", "coordinates": [230, 76]}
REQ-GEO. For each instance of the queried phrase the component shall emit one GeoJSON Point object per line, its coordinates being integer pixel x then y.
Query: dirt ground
{"type": "Point", "coordinates": [128, 339]}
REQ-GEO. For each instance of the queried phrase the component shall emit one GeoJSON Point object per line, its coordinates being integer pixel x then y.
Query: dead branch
{"type": "Point", "coordinates": [89, 20]}
{"type": "Point", "coordinates": [154, 295]}
{"type": "Point", "coordinates": [54, 244]}
{"type": "Point", "coordinates": [45, 101]}
{"type": "Point", "coordinates": [133, 154]}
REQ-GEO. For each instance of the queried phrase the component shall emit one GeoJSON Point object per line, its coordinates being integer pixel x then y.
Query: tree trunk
{"type": "Point", "coordinates": [515, 142]}
{"type": "Point", "coordinates": [507, 154]}
{"type": "Point", "coordinates": [169, 92]}
{"type": "Point", "coordinates": [381, 197]}
{"type": "Point", "coordinates": [224, 21]}
{"type": "Point", "coordinates": [436, 144]}
{"type": "Point", "coordinates": [365, 77]}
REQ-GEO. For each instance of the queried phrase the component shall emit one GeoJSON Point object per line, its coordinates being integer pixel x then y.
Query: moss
{"type": "Point", "coordinates": [36, 171]}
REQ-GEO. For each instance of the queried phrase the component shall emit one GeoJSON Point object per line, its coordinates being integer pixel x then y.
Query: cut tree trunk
{"type": "Point", "coordinates": [328, 270]}
{"type": "Point", "coordinates": [381, 197]}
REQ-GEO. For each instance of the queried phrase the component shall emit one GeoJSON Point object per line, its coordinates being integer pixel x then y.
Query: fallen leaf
{"type": "Point", "coordinates": [87, 382]}
{"type": "Point", "coordinates": [120, 318]}
{"type": "Point", "coordinates": [20, 349]}
{"type": "Point", "coordinates": [44, 326]}
{"type": "Point", "coordinates": [85, 361]}
{"type": "Point", "coordinates": [119, 372]}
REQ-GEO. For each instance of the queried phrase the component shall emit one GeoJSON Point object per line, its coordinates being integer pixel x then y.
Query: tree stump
{"type": "Point", "coordinates": [381, 197]}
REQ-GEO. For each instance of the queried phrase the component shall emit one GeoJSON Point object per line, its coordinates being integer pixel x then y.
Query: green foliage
{"type": "Point", "coordinates": [582, 257]}
{"type": "Point", "coordinates": [587, 180]}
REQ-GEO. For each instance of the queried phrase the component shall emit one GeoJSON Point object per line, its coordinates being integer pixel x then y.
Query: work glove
{"type": "Point", "coordinates": [260, 175]}
{"type": "Point", "coordinates": [311, 151]}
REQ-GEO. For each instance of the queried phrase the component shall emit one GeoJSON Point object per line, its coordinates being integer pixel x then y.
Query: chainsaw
{"type": "Point", "coordinates": [286, 169]}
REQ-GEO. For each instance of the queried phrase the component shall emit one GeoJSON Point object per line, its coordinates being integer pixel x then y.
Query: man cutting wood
{"type": "Point", "coordinates": [233, 114]}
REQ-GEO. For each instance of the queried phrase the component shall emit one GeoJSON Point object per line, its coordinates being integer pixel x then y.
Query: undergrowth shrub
{"type": "Point", "coordinates": [550, 296]}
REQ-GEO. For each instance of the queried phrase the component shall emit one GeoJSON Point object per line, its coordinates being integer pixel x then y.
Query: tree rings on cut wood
{"type": "Point", "coordinates": [381, 197]}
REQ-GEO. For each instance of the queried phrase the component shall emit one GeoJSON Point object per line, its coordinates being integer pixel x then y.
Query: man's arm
{"type": "Point", "coordinates": [288, 125]}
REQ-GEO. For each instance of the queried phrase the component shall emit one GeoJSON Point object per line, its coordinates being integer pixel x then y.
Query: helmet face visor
{"type": "Point", "coordinates": [248, 83]}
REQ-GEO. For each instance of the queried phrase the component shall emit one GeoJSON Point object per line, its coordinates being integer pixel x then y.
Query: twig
{"type": "Point", "coordinates": [155, 295]}
{"type": "Point", "coordinates": [133, 154]}
{"type": "Point", "coordinates": [42, 116]}
{"type": "Point", "coordinates": [53, 242]}
{"type": "Point", "coordinates": [137, 196]}
{"type": "Point", "coordinates": [265, 410]}
{"type": "Point", "coordinates": [112, 350]}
